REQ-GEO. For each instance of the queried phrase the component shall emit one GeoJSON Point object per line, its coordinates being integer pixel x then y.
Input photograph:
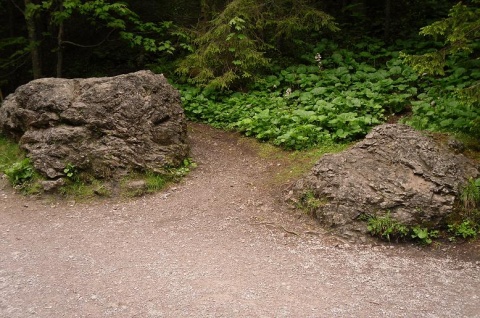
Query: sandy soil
{"type": "Point", "coordinates": [219, 244]}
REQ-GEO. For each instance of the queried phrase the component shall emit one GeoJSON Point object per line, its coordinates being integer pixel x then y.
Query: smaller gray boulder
{"type": "Point", "coordinates": [396, 169]}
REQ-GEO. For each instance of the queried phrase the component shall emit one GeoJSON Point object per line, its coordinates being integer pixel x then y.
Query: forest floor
{"type": "Point", "coordinates": [221, 243]}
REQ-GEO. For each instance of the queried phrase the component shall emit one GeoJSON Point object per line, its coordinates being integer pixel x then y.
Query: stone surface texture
{"type": "Point", "coordinates": [395, 169]}
{"type": "Point", "coordinates": [106, 126]}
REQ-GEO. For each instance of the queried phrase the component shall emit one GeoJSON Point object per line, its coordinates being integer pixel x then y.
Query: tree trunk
{"type": "Point", "coordinates": [60, 50]}
{"type": "Point", "coordinates": [60, 35]}
{"type": "Point", "coordinates": [11, 22]}
{"type": "Point", "coordinates": [388, 9]}
{"type": "Point", "coordinates": [33, 41]}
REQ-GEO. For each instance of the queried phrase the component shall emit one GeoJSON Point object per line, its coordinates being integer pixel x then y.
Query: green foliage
{"type": "Point", "coordinates": [102, 19]}
{"type": "Point", "coordinates": [309, 203]}
{"type": "Point", "coordinates": [82, 190]}
{"type": "Point", "coordinates": [227, 52]}
{"type": "Point", "coordinates": [232, 49]}
{"type": "Point", "coordinates": [424, 234]}
{"type": "Point", "coordinates": [71, 172]}
{"type": "Point", "coordinates": [442, 105]}
{"type": "Point", "coordinates": [466, 229]}
{"type": "Point", "coordinates": [176, 173]}
{"type": "Point", "coordinates": [470, 194]}
{"type": "Point", "coordinates": [337, 98]}
{"type": "Point", "coordinates": [18, 169]}
{"type": "Point", "coordinates": [82, 186]}
{"type": "Point", "coordinates": [10, 153]}
{"type": "Point", "coordinates": [445, 114]}
{"type": "Point", "coordinates": [387, 228]}
{"type": "Point", "coordinates": [155, 182]}
{"type": "Point", "coordinates": [79, 185]}
{"type": "Point", "coordinates": [20, 172]}
{"type": "Point", "coordinates": [114, 16]}
{"type": "Point", "coordinates": [452, 103]}
{"type": "Point", "coordinates": [465, 223]}
{"type": "Point", "coordinates": [460, 32]}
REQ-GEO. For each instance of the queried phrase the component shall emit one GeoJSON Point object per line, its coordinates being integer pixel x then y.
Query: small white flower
{"type": "Point", "coordinates": [318, 58]}
{"type": "Point", "coordinates": [288, 91]}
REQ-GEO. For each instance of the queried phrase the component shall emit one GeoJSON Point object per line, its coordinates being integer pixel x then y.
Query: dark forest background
{"type": "Point", "coordinates": [92, 40]}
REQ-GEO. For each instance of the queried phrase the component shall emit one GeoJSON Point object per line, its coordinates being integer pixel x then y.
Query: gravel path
{"type": "Point", "coordinates": [219, 244]}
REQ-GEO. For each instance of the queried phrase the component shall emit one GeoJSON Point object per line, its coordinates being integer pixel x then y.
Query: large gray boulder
{"type": "Point", "coordinates": [395, 169]}
{"type": "Point", "coordinates": [105, 126]}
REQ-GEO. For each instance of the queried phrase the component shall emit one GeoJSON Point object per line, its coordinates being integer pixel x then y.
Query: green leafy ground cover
{"type": "Point", "coordinates": [339, 94]}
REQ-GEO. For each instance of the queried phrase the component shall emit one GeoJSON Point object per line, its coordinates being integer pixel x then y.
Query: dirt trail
{"type": "Point", "coordinates": [216, 245]}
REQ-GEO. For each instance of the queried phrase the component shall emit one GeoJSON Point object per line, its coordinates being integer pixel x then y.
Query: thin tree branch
{"type": "Point", "coordinates": [16, 68]}
{"type": "Point", "coordinates": [16, 6]}
{"type": "Point", "coordinates": [89, 46]}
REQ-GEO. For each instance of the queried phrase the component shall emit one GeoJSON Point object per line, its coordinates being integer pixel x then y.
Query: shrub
{"type": "Point", "coordinates": [424, 234]}
{"type": "Point", "coordinates": [386, 228]}
{"type": "Point", "coordinates": [466, 229]}
{"type": "Point", "coordinates": [20, 172]}
{"type": "Point", "coordinates": [470, 195]}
